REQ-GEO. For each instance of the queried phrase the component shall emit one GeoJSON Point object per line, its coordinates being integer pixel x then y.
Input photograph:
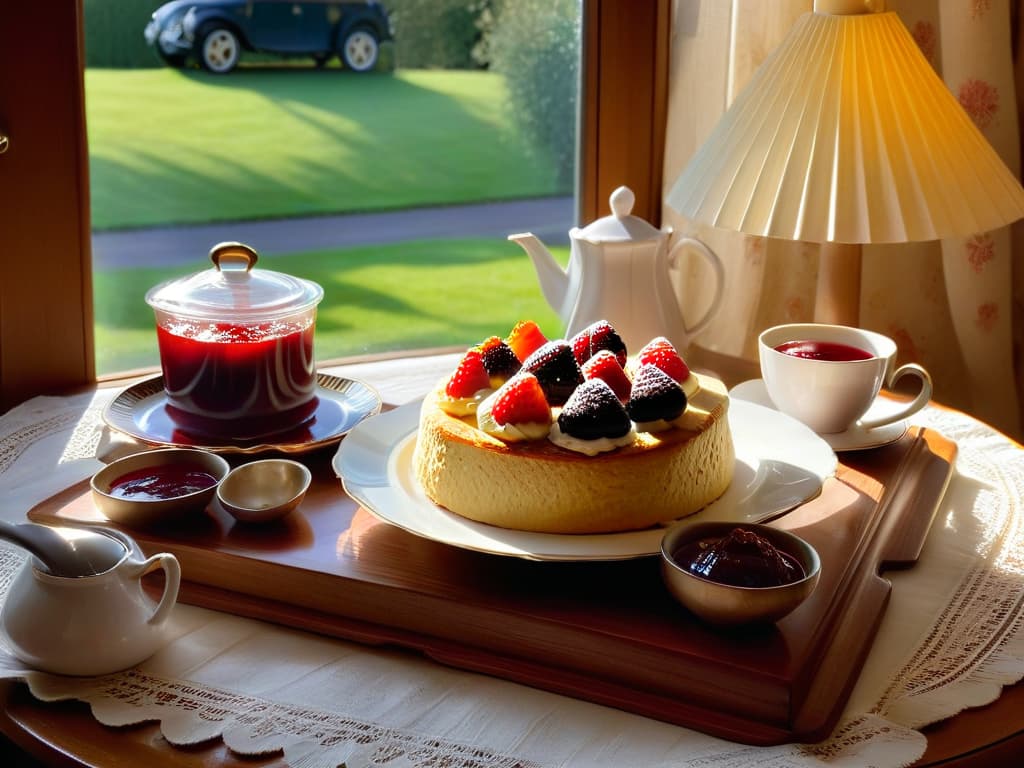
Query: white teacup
{"type": "Point", "coordinates": [832, 395]}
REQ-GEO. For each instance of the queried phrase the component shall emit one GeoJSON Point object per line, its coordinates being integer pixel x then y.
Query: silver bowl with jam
{"type": "Point", "coordinates": [158, 486]}
{"type": "Point", "coordinates": [738, 573]}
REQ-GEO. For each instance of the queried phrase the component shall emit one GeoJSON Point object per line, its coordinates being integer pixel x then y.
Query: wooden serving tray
{"type": "Point", "coordinates": [606, 632]}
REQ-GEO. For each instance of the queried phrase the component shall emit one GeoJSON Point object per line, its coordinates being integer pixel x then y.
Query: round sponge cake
{"type": "Point", "coordinates": [538, 486]}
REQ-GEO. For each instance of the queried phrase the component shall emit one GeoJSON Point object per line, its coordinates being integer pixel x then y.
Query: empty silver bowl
{"type": "Point", "coordinates": [139, 508]}
{"type": "Point", "coordinates": [726, 604]}
{"type": "Point", "coordinates": [264, 490]}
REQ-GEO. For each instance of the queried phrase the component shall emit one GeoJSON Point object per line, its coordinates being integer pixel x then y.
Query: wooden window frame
{"type": "Point", "coordinates": [46, 317]}
{"type": "Point", "coordinates": [46, 312]}
{"type": "Point", "coordinates": [624, 85]}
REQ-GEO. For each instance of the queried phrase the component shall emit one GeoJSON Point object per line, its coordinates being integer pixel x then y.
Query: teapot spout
{"type": "Point", "coordinates": [554, 281]}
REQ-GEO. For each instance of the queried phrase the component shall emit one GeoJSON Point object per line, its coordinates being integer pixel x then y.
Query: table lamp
{"type": "Point", "coordinates": [845, 136]}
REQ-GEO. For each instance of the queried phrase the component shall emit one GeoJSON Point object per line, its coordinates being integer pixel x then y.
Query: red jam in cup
{"type": "Point", "coordinates": [238, 381]}
{"type": "Point", "coordinates": [823, 350]}
{"type": "Point", "coordinates": [159, 483]}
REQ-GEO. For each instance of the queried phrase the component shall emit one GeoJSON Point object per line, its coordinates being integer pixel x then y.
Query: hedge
{"type": "Point", "coordinates": [113, 34]}
{"type": "Point", "coordinates": [535, 45]}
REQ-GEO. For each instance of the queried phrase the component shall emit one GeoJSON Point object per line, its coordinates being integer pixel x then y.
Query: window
{"type": "Point", "coordinates": [45, 285]}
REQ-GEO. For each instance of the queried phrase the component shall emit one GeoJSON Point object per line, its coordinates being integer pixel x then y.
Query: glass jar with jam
{"type": "Point", "coordinates": [236, 347]}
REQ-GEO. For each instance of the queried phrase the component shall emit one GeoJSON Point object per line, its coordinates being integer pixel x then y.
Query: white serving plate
{"type": "Point", "coordinates": [780, 464]}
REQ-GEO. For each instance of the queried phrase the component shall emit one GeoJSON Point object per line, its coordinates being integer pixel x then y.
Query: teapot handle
{"type": "Point", "coordinates": [719, 270]}
{"type": "Point", "coordinates": [172, 580]}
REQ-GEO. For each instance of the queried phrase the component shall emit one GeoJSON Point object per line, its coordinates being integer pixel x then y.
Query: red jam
{"type": "Point", "coordinates": [832, 351]}
{"type": "Point", "coordinates": [238, 381]}
{"type": "Point", "coordinates": [741, 559]}
{"type": "Point", "coordinates": [159, 483]}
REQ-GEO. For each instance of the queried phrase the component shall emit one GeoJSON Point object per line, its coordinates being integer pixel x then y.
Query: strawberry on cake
{"type": "Point", "coordinates": [574, 436]}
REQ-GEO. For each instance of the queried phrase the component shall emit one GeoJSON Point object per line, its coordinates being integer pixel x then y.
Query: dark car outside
{"type": "Point", "coordinates": [214, 33]}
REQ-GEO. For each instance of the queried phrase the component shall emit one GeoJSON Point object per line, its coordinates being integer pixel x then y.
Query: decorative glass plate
{"type": "Point", "coordinates": [140, 412]}
{"type": "Point", "coordinates": [780, 464]}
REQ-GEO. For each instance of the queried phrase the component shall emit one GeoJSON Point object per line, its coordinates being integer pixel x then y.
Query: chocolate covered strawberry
{"type": "Point", "coordinates": [594, 412]}
{"type": "Point", "coordinates": [499, 360]}
{"type": "Point", "coordinates": [521, 401]}
{"type": "Point", "coordinates": [655, 400]}
{"type": "Point", "coordinates": [556, 369]}
{"type": "Point", "coordinates": [593, 420]}
{"type": "Point", "coordinates": [660, 353]}
{"type": "Point", "coordinates": [594, 338]}
{"type": "Point", "coordinates": [605, 366]}
{"type": "Point", "coordinates": [470, 376]}
{"type": "Point", "coordinates": [518, 410]}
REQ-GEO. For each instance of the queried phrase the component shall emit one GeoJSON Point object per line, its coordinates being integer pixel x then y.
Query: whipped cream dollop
{"type": "Point", "coordinates": [462, 406]}
{"type": "Point", "coordinates": [590, 447]}
{"type": "Point", "coordinates": [659, 425]}
{"type": "Point", "coordinates": [511, 433]}
{"type": "Point", "coordinates": [691, 386]}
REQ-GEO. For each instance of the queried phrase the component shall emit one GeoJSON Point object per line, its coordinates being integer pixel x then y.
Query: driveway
{"type": "Point", "coordinates": [548, 218]}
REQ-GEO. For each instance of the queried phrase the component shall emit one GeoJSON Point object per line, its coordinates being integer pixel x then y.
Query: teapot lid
{"type": "Point", "coordinates": [234, 291]}
{"type": "Point", "coordinates": [621, 225]}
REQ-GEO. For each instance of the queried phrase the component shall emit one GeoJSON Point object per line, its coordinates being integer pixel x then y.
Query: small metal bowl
{"type": "Point", "coordinates": [264, 490]}
{"type": "Point", "coordinates": [140, 510]}
{"type": "Point", "coordinates": [725, 604]}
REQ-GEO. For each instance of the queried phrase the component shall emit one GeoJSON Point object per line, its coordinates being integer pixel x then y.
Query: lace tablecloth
{"type": "Point", "coordinates": [950, 639]}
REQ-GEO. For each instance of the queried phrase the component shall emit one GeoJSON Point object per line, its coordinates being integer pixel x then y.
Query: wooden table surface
{"type": "Point", "coordinates": [66, 733]}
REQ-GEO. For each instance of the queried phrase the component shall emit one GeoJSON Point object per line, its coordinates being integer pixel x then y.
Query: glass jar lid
{"type": "Point", "coordinates": [233, 291]}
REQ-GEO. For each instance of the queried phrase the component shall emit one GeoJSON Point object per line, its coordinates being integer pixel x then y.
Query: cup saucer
{"type": "Point", "coordinates": [856, 438]}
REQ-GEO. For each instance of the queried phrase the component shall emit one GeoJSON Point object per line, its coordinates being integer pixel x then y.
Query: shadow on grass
{"type": "Point", "coordinates": [386, 142]}
{"type": "Point", "coordinates": [411, 281]}
{"type": "Point", "coordinates": [377, 299]}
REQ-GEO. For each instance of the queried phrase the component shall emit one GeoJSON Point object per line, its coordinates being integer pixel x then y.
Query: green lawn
{"type": "Point", "coordinates": [183, 146]}
{"type": "Point", "coordinates": [389, 297]}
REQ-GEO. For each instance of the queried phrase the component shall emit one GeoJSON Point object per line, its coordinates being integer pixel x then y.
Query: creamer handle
{"type": "Point", "coordinates": [172, 580]}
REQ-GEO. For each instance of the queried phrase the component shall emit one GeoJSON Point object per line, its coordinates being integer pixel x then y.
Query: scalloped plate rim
{"type": "Point", "coordinates": [119, 414]}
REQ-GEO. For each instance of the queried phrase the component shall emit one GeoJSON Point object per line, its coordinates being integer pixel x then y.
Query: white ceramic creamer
{"type": "Point", "coordinates": [89, 625]}
{"type": "Point", "coordinates": [619, 271]}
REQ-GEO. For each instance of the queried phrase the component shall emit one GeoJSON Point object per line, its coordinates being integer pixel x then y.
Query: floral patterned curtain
{"type": "Point", "coordinates": [956, 306]}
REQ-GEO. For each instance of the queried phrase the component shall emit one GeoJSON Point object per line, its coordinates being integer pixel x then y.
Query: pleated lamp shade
{"type": "Point", "coordinates": [845, 134]}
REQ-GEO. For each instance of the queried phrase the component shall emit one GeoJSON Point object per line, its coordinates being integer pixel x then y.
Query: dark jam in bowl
{"type": "Point", "coordinates": [238, 381]}
{"type": "Point", "coordinates": [832, 351]}
{"type": "Point", "coordinates": [159, 483]}
{"type": "Point", "coordinates": [740, 559]}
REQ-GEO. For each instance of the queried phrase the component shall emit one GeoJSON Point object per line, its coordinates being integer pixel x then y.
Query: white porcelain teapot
{"type": "Point", "coordinates": [91, 624]}
{"type": "Point", "coordinates": [619, 271]}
